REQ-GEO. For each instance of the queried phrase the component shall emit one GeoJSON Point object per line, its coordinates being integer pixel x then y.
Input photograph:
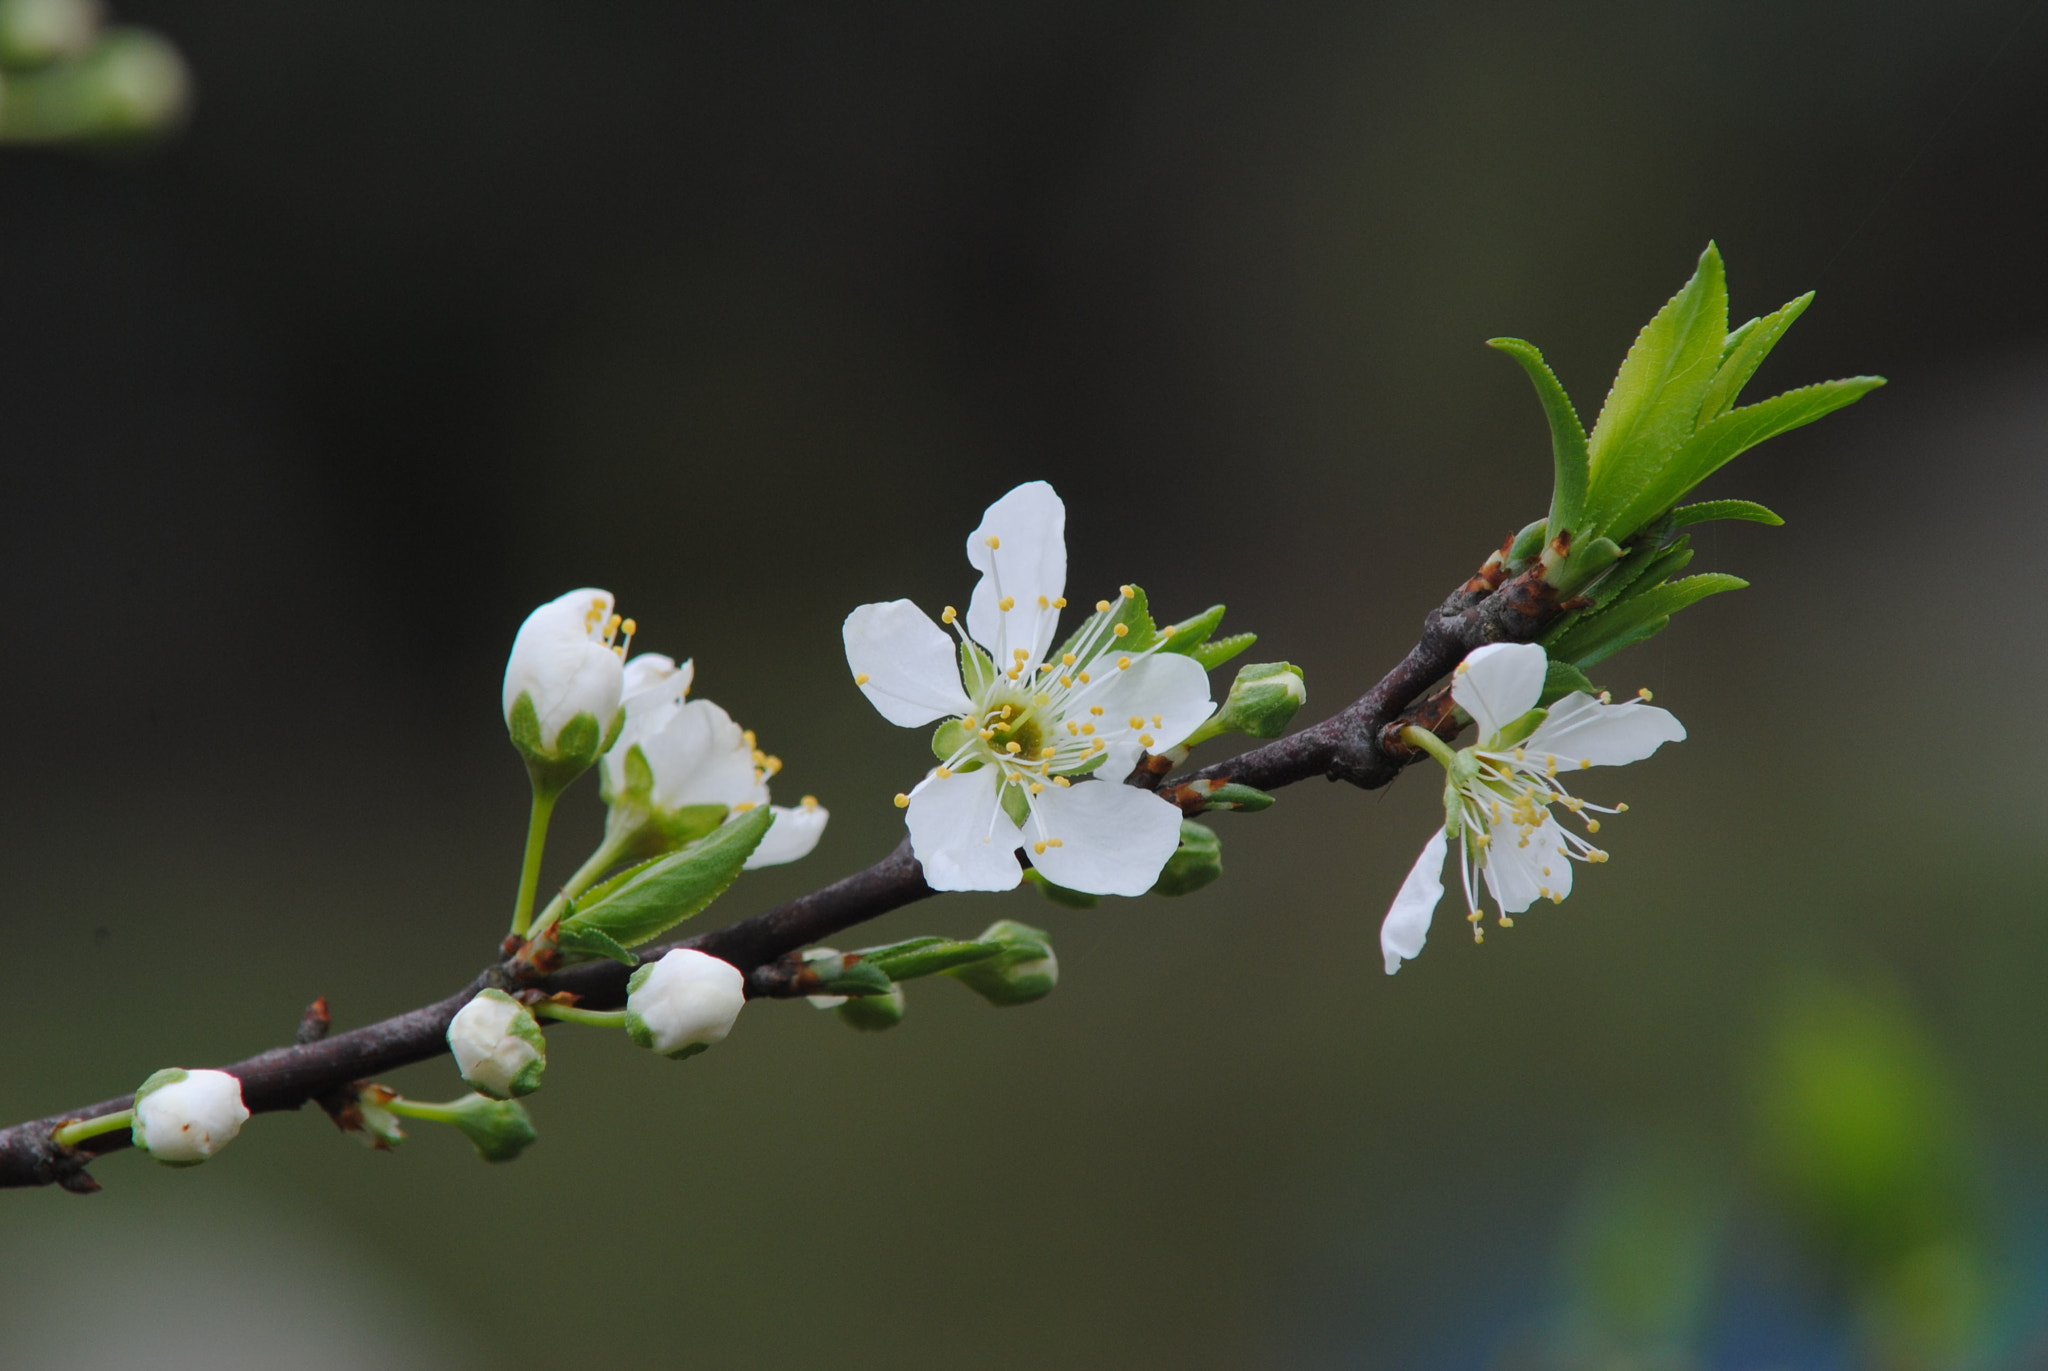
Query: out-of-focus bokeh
{"type": "Point", "coordinates": [746, 311]}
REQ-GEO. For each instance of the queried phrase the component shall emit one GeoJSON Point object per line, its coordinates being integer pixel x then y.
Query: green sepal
{"type": "Point", "coordinates": [1708, 510]}
{"type": "Point", "coordinates": [1654, 404]}
{"type": "Point", "coordinates": [1217, 651]}
{"type": "Point", "coordinates": [1526, 546]}
{"type": "Point", "coordinates": [1189, 634]}
{"type": "Point", "coordinates": [524, 725]}
{"type": "Point", "coordinates": [1567, 440]}
{"type": "Point", "coordinates": [639, 775]}
{"type": "Point", "coordinates": [1099, 628]}
{"type": "Point", "coordinates": [1561, 679]}
{"type": "Point", "coordinates": [949, 737]}
{"type": "Point", "coordinates": [579, 739]}
{"type": "Point", "coordinates": [527, 1029]}
{"type": "Point", "coordinates": [1639, 617]}
{"type": "Point", "coordinates": [1024, 970]}
{"type": "Point", "coordinates": [1585, 563]}
{"type": "Point", "coordinates": [499, 1129]}
{"type": "Point", "coordinates": [1454, 810]}
{"type": "Point", "coordinates": [873, 1013]}
{"type": "Point", "coordinates": [852, 978]}
{"type": "Point", "coordinates": [1016, 804]}
{"type": "Point", "coordinates": [1743, 352]}
{"type": "Point", "coordinates": [1059, 894]}
{"type": "Point", "coordinates": [1732, 434]}
{"type": "Point", "coordinates": [977, 672]}
{"type": "Point", "coordinates": [1518, 728]}
{"type": "Point", "coordinates": [156, 1081]}
{"type": "Point", "coordinates": [590, 942]}
{"type": "Point", "coordinates": [1242, 798]}
{"type": "Point", "coordinates": [907, 961]}
{"type": "Point", "coordinates": [1195, 863]}
{"type": "Point", "coordinates": [654, 898]}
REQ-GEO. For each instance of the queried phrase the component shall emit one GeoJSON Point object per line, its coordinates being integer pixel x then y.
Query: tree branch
{"type": "Point", "coordinates": [1357, 745]}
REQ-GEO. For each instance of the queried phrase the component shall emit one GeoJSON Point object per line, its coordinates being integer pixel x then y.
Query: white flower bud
{"type": "Point", "coordinates": [563, 665]}
{"type": "Point", "coordinates": [498, 1046]}
{"type": "Point", "coordinates": [683, 1003]}
{"type": "Point", "coordinates": [183, 1117]}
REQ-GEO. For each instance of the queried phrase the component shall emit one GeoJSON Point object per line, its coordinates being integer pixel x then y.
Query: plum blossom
{"type": "Point", "coordinates": [684, 1003]}
{"type": "Point", "coordinates": [565, 662]}
{"type": "Point", "coordinates": [1500, 793]}
{"type": "Point", "coordinates": [1038, 742]}
{"type": "Point", "coordinates": [183, 1117]}
{"type": "Point", "coordinates": [674, 753]}
{"type": "Point", "coordinates": [497, 1045]}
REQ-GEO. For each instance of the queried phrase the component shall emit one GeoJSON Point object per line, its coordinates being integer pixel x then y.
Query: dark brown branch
{"type": "Point", "coordinates": [1353, 745]}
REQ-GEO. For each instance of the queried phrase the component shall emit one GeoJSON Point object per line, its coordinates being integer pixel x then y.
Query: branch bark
{"type": "Point", "coordinates": [1357, 745]}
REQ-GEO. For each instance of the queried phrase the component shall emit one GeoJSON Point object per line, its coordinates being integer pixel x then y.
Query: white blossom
{"type": "Point", "coordinates": [676, 753]}
{"type": "Point", "coordinates": [497, 1045]}
{"type": "Point", "coordinates": [684, 1003]}
{"type": "Point", "coordinates": [1039, 744]}
{"type": "Point", "coordinates": [184, 1117]}
{"type": "Point", "coordinates": [1501, 791]}
{"type": "Point", "coordinates": [565, 660]}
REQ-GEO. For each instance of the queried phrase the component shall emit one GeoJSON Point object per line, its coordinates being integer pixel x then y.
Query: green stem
{"type": "Point", "coordinates": [596, 1018]}
{"type": "Point", "coordinates": [420, 1109]}
{"type": "Point", "coordinates": [72, 1134]}
{"type": "Point", "coordinates": [594, 866]}
{"type": "Point", "coordinates": [529, 873]}
{"type": "Point", "coordinates": [1428, 742]}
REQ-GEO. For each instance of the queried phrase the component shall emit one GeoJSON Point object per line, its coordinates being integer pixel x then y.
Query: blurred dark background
{"type": "Point", "coordinates": [745, 312]}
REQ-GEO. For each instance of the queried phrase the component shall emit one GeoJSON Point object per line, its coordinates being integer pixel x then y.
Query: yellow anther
{"type": "Point", "coordinates": [759, 756]}
{"type": "Point", "coordinates": [748, 734]}
{"type": "Point", "coordinates": [1122, 630]}
{"type": "Point", "coordinates": [1095, 710]}
{"type": "Point", "coordinates": [944, 772]}
{"type": "Point", "coordinates": [1038, 787]}
{"type": "Point", "coordinates": [1521, 754]}
{"type": "Point", "coordinates": [1066, 680]}
{"type": "Point", "coordinates": [1506, 922]}
{"type": "Point", "coordinates": [1048, 750]}
{"type": "Point", "coordinates": [987, 734]}
{"type": "Point", "coordinates": [1102, 606]}
{"type": "Point", "coordinates": [902, 800]}
{"type": "Point", "coordinates": [1478, 934]}
{"type": "Point", "coordinates": [993, 542]}
{"type": "Point", "coordinates": [1013, 746]}
{"type": "Point", "coordinates": [1062, 782]}
{"type": "Point", "coordinates": [1038, 848]}
{"type": "Point", "coordinates": [1073, 729]}
{"type": "Point", "coordinates": [1644, 694]}
{"type": "Point", "coordinates": [860, 678]}
{"type": "Point", "coordinates": [949, 615]}
{"type": "Point", "coordinates": [1620, 808]}
{"type": "Point", "coordinates": [1128, 592]}
{"type": "Point", "coordinates": [1055, 842]}
{"type": "Point", "coordinates": [811, 801]}
{"type": "Point", "coordinates": [774, 765]}
{"type": "Point", "coordinates": [1585, 762]}
{"type": "Point", "coordinates": [1156, 720]}
{"type": "Point", "coordinates": [1144, 740]}
{"type": "Point", "coordinates": [619, 651]}
{"type": "Point", "coordinates": [1606, 698]}
{"type": "Point", "coordinates": [1045, 666]}
{"type": "Point", "coordinates": [629, 627]}
{"type": "Point", "coordinates": [744, 805]}
{"type": "Point", "coordinates": [1592, 825]}
{"type": "Point", "coordinates": [1007, 603]}
{"type": "Point", "coordinates": [1087, 728]}
{"type": "Point", "coordinates": [1022, 653]}
{"type": "Point", "coordinates": [1006, 711]}
{"type": "Point", "coordinates": [1084, 678]}
{"type": "Point", "coordinates": [1067, 659]}
{"type": "Point", "coordinates": [1014, 778]}
{"type": "Point", "coordinates": [1123, 664]}
{"type": "Point", "coordinates": [1044, 603]}
{"type": "Point", "coordinates": [611, 625]}
{"type": "Point", "coordinates": [1464, 667]}
{"type": "Point", "coordinates": [1014, 672]}
{"type": "Point", "coordinates": [1137, 721]}
{"type": "Point", "coordinates": [1474, 917]}
{"type": "Point", "coordinates": [1059, 602]}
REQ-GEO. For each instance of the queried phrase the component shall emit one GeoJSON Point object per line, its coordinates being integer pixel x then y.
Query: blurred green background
{"type": "Point", "coordinates": [746, 311]}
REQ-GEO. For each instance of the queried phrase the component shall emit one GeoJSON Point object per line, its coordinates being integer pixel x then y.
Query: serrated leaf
{"type": "Point", "coordinates": [1737, 431]}
{"type": "Point", "coordinates": [655, 897]}
{"type": "Point", "coordinates": [591, 942]}
{"type": "Point", "coordinates": [1561, 679]}
{"type": "Point", "coordinates": [1708, 510]}
{"type": "Point", "coordinates": [1638, 617]}
{"type": "Point", "coordinates": [1217, 651]}
{"type": "Point", "coordinates": [1190, 634]}
{"type": "Point", "coordinates": [1743, 353]}
{"type": "Point", "coordinates": [1567, 435]}
{"type": "Point", "coordinates": [1654, 403]}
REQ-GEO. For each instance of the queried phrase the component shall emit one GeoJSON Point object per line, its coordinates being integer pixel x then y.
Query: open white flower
{"type": "Point", "coordinates": [680, 765]}
{"type": "Point", "coordinates": [1500, 792]}
{"type": "Point", "coordinates": [565, 663]}
{"type": "Point", "coordinates": [183, 1117]}
{"type": "Point", "coordinates": [684, 1003]}
{"type": "Point", "coordinates": [1038, 744]}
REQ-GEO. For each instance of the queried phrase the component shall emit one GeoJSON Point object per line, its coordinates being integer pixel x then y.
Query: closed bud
{"type": "Point", "coordinates": [183, 1117]}
{"type": "Point", "coordinates": [563, 684]}
{"type": "Point", "coordinates": [873, 1013]}
{"type": "Point", "coordinates": [684, 1003]}
{"type": "Point", "coordinates": [498, 1047]}
{"type": "Point", "coordinates": [1024, 970]}
{"type": "Point", "coordinates": [1196, 862]}
{"type": "Point", "coordinates": [1262, 702]}
{"type": "Point", "coordinates": [501, 1129]}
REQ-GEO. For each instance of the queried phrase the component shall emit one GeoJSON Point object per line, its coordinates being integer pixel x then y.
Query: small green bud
{"type": "Point", "coordinates": [1059, 894]}
{"type": "Point", "coordinates": [1261, 703]}
{"type": "Point", "coordinates": [1527, 546]}
{"type": "Point", "coordinates": [501, 1129]}
{"type": "Point", "coordinates": [1025, 969]}
{"type": "Point", "coordinates": [131, 83]}
{"type": "Point", "coordinates": [33, 32]}
{"type": "Point", "coordinates": [873, 1013]}
{"type": "Point", "coordinates": [1197, 862]}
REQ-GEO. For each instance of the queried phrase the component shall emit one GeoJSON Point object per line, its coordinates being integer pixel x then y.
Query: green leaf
{"type": "Point", "coordinates": [850, 978]}
{"type": "Point", "coordinates": [1561, 679]}
{"type": "Point", "coordinates": [1189, 634]}
{"type": "Point", "coordinates": [592, 943]}
{"type": "Point", "coordinates": [1737, 431]}
{"type": "Point", "coordinates": [1567, 434]}
{"type": "Point", "coordinates": [1217, 651]}
{"type": "Point", "coordinates": [1098, 630]}
{"type": "Point", "coordinates": [1654, 404]}
{"type": "Point", "coordinates": [1707, 510]}
{"type": "Point", "coordinates": [1639, 617]}
{"type": "Point", "coordinates": [1743, 353]}
{"type": "Point", "coordinates": [906, 961]}
{"type": "Point", "coordinates": [1242, 798]}
{"type": "Point", "coordinates": [661, 894]}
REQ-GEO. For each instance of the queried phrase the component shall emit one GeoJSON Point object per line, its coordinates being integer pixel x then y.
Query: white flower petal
{"type": "Point", "coordinates": [1581, 729]}
{"type": "Point", "coordinates": [1519, 873]}
{"type": "Point", "coordinates": [961, 836]}
{"type": "Point", "coordinates": [652, 694]}
{"type": "Point", "coordinates": [1114, 839]}
{"type": "Point", "coordinates": [653, 671]}
{"type": "Point", "coordinates": [1406, 926]}
{"type": "Point", "coordinates": [688, 998]}
{"type": "Point", "coordinates": [911, 670]}
{"type": "Point", "coordinates": [190, 1120]}
{"type": "Point", "coordinates": [702, 758]}
{"type": "Point", "coordinates": [791, 836]}
{"type": "Point", "coordinates": [559, 657]}
{"type": "Point", "coordinates": [1499, 683]}
{"type": "Point", "coordinates": [1171, 685]}
{"type": "Point", "coordinates": [1028, 567]}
